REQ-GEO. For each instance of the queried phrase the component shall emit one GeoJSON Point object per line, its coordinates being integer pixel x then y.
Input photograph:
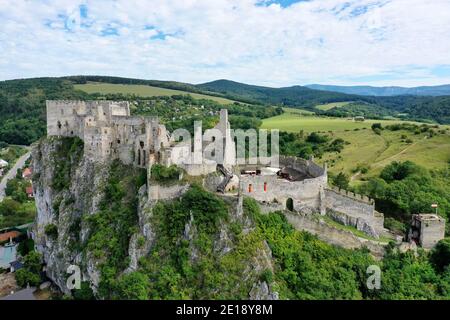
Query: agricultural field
{"type": "Point", "coordinates": [295, 122]}
{"type": "Point", "coordinates": [141, 90]}
{"type": "Point", "coordinates": [296, 111]}
{"type": "Point", "coordinates": [364, 148]}
{"type": "Point", "coordinates": [328, 106]}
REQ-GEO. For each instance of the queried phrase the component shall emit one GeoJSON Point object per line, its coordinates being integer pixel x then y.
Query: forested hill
{"type": "Point", "coordinates": [441, 90]}
{"type": "Point", "coordinates": [435, 109]}
{"type": "Point", "coordinates": [289, 96]}
{"type": "Point", "coordinates": [22, 106]}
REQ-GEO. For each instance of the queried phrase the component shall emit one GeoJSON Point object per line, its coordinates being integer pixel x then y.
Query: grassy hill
{"type": "Point", "coordinates": [365, 148]}
{"type": "Point", "coordinates": [328, 106]}
{"type": "Point", "coordinates": [141, 90]}
{"type": "Point", "coordinates": [294, 123]}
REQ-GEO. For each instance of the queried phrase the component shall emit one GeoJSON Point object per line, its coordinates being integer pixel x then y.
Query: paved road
{"type": "Point", "coordinates": [12, 173]}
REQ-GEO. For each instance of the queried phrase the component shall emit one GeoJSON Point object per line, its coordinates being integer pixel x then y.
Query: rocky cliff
{"type": "Point", "coordinates": [99, 216]}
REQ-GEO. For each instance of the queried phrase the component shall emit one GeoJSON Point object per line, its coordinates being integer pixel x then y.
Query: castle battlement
{"type": "Point", "coordinates": [352, 195]}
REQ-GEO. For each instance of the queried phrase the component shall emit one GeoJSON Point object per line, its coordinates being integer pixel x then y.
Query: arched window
{"type": "Point", "coordinates": [59, 125]}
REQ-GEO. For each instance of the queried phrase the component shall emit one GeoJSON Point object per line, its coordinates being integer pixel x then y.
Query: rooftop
{"type": "Point", "coordinates": [11, 234]}
{"type": "Point", "coordinates": [428, 217]}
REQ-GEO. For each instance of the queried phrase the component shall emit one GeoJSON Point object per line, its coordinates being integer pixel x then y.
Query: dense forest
{"type": "Point", "coordinates": [22, 107]}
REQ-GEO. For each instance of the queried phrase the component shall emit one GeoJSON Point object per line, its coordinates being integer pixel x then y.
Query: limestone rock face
{"type": "Point", "coordinates": [67, 200]}
{"type": "Point", "coordinates": [142, 241]}
{"type": "Point", "coordinates": [65, 209]}
{"type": "Point", "coordinates": [261, 291]}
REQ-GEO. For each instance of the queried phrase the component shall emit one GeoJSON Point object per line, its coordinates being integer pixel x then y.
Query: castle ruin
{"type": "Point", "coordinates": [110, 132]}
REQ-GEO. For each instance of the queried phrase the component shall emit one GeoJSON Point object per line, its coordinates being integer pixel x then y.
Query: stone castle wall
{"type": "Point", "coordinates": [332, 235]}
{"type": "Point", "coordinates": [108, 130]}
{"type": "Point", "coordinates": [354, 210]}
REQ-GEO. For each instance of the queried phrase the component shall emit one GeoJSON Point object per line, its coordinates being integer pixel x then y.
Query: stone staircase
{"type": "Point", "coordinates": [227, 177]}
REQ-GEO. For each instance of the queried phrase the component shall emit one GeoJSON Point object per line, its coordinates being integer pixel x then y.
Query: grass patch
{"type": "Point", "coordinates": [328, 106]}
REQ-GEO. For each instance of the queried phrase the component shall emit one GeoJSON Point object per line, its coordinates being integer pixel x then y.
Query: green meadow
{"type": "Point", "coordinates": [328, 106]}
{"type": "Point", "coordinates": [365, 148]}
{"type": "Point", "coordinates": [142, 90]}
{"type": "Point", "coordinates": [292, 122]}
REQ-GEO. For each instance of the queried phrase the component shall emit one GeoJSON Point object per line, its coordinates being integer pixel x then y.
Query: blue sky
{"type": "Point", "coordinates": [265, 42]}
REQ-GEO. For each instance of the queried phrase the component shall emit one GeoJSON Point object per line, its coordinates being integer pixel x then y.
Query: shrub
{"type": "Point", "coordinates": [84, 293]}
{"type": "Point", "coordinates": [25, 277]}
{"type": "Point", "coordinates": [376, 126]}
{"type": "Point", "coordinates": [51, 231]}
{"type": "Point", "coordinates": [440, 256]}
{"type": "Point", "coordinates": [395, 225]}
{"type": "Point", "coordinates": [162, 173]}
{"type": "Point", "coordinates": [25, 247]}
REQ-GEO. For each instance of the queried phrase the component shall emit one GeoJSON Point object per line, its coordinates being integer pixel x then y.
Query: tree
{"type": "Point", "coordinates": [376, 126]}
{"type": "Point", "coordinates": [25, 247]}
{"type": "Point", "coordinates": [9, 207]}
{"type": "Point", "coordinates": [440, 256]}
{"type": "Point", "coordinates": [84, 293]}
{"type": "Point", "coordinates": [341, 180]}
{"type": "Point", "coordinates": [33, 262]}
{"type": "Point", "coordinates": [24, 277]}
{"type": "Point", "coordinates": [133, 286]}
{"type": "Point", "coordinates": [399, 170]}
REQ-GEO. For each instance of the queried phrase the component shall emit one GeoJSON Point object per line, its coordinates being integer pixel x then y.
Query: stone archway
{"type": "Point", "coordinates": [290, 204]}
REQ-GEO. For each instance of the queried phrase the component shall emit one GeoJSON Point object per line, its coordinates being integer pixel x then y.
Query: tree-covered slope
{"type": "Point", "coordinates": [441, 90]}
{"type": "Point", "coordinates": [410, 107]}
{"type": "Point", "coordinates": [290, 96]}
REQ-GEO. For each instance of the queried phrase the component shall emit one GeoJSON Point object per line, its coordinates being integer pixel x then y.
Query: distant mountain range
{"type": "Point", "coordinates": [441, 90]}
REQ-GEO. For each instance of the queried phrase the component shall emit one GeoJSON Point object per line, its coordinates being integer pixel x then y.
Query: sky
{"type": "Point", "coordinates": [265, 42]}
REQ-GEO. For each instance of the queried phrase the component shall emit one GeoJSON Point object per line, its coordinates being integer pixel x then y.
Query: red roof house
{"type": "Point", "coordinates": [29, 192]}
{"type": "Point", "coordinates": [27, 173]}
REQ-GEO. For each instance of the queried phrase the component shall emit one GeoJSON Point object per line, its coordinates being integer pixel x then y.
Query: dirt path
{"type": "Point", "coordinates": [380, 163]}
{"type": "Point", "coordinates": [354, 176]}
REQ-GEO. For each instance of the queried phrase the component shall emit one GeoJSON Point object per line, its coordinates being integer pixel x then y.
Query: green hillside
{"type": "Point", "coordinates": [141, 90]}
{"type": "Point", "coordinates": [294, 123]}
{"type": "Point", "coordinates": [290, 96]}
{"type": "Point", "coordinates": [365, 148]}
{"type": "Point", "coordinates": [328, 106]}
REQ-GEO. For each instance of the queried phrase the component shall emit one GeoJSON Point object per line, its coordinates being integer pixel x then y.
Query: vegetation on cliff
{"type": "Point", "coordinates": [111, 228]}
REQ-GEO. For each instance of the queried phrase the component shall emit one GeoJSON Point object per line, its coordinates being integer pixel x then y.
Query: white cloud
{"type": "Point", "coordinates": [385, 42]}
